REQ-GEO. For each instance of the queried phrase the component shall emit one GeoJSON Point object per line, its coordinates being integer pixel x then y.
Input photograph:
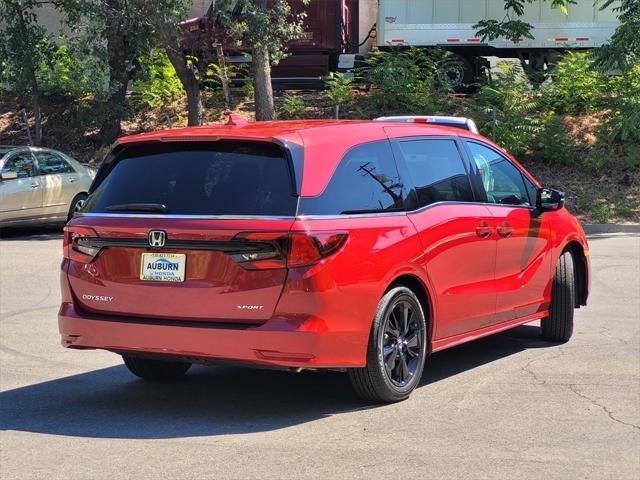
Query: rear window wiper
{"type": "Point", "coordinates": [138, 207]}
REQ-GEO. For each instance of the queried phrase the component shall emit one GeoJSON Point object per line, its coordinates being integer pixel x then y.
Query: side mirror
{"type": "Point", "coordinates": [549, 200]}
{"type": "Point", "coordinates": [8, 175]}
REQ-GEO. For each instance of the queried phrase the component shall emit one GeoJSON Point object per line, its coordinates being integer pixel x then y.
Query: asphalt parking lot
{"type": "Point", "coordinates": [508, 406]}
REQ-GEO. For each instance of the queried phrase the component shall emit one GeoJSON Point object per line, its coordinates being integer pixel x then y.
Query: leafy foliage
{"type": "Point", "coordinates": [510, 27]}
{"type": "Point", "coordinates": [264, 28]}
{"type": "Point", "coordinates": [623, 51]}
{"type": "Point", "coordinates": [71, 72]}
{"type": "Point", "coordinates": [255, 27]}
{"type": "Point", "coordinates": [157, 82]}
{"type": "Point", "coordinates": [576, 87]}
{"type": "Point", "coordinates": [623, 126]}
{"type": "Point", "coordinates": [513, 102]}
{"type": "Point", "coordinates": [339, 90]}
{"type": "Point", "coordinates": [405, 81]}
{"type": "Point", "coordinates": [24, 44]}
{"type": "Point", "coordinates": [292, 106]}
{"type": "Point", "coordinates": [553, 143]}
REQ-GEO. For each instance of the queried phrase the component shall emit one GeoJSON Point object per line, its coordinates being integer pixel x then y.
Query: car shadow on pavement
{"type": "Point", "coordinates": [111, 403]}
{"type": "Point", "coordinates": [46, 232]}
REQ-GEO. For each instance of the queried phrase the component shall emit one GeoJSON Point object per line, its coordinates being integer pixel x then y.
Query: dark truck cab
{"type": "Point", "coordinates": [330, 30]}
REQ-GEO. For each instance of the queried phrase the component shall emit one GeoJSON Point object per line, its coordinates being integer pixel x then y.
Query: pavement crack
{"type": "Point", "coordinates": [526, 368]}
{"type": "Point", "coordinates": [604, 408]}
{"type": "Point", "coordinates": [606, 332]}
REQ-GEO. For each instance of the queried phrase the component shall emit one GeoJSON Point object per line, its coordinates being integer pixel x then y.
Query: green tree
{"type": "Point", "coordinates": [23, 46]}
{"type": "Point", "coordinates": [167, 31]}
{"type": "Point", "coordinates": [339, 90]}
{"type": "Point", "coordinates": [623, 51]}
{"type": "Point", "coordinates": [123, 32]}
{"type": "Point", "coordinates": [511, 27]}
{"type": "Point", "coordinates": [126, 30]}
{"type": "Point", "coordinates": [263, 28]}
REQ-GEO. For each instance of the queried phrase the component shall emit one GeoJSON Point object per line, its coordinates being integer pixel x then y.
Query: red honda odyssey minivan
{"type": "Point", "coordinates": [361, 246]}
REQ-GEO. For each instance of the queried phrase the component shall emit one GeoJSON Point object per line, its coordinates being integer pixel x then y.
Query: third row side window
{"type": "Point", "coordinates": [366, 181]}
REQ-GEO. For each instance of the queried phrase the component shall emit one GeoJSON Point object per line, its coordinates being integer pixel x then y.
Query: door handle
{"type": "Point", "coordinates": [72, 179]}
{"type": "Point", "coordinates": [484, 230]}
{"type": "Point", "coordinates": [505, 230]}
{"type": "Point", "coordinates": [35, 185]}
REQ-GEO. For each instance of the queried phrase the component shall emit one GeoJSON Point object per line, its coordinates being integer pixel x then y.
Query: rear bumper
{"type": "Point", "coordinates": [278, 343]}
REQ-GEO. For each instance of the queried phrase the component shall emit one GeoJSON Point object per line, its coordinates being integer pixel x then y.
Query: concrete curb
{"type": "Point", "coordinates": [593, 228]}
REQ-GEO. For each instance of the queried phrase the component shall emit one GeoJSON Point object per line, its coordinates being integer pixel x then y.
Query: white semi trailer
{"type": "Point", "coordinates": [449, 24]}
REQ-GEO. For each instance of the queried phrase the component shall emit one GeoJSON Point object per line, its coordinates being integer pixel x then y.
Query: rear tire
{"type": "Point", "coordinates": [156, 370]}
{"type": "Point", "coordinates": [396, 351]}
{"type": "Point", "coordinates": [558, 326]}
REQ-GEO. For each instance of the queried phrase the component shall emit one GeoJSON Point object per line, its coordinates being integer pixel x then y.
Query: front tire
{"type": "Point", "coordinates": [558, 326]}
{"type": "Point", "coordinates": [396, 351]}
{"type": "Point", "coordinates": [156, 370]}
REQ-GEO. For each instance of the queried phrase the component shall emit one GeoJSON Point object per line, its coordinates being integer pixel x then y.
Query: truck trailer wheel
{"type": "Point", "coordinates": [456, 71]}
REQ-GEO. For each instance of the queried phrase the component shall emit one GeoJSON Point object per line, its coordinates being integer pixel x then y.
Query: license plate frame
{"type": "Point", "coordinates": [163, 267]}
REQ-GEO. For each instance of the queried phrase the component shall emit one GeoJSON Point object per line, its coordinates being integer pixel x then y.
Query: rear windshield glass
{"type": "Point", "coordinates": [221, 178]}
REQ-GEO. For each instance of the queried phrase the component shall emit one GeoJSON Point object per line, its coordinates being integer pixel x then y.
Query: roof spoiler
{"type": "Point", "coordinates": [456, 122]}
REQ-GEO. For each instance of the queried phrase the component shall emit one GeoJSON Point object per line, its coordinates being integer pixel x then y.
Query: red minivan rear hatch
{"type": "Point", "coordinates": [185, 231]}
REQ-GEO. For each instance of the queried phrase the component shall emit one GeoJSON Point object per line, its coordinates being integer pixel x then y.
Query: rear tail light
{"type": "Point", "coordinates": [282, 250]}
{"type": "Point", "coordinates": [74, 248]}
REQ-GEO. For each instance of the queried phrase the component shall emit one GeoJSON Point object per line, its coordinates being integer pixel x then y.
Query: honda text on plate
{"type": "Point", "coordinates": [361, 246]}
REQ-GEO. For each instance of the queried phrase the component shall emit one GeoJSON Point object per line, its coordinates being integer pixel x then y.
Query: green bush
{"type": "Point", "coordinates": [339, 90]}
{"type": "Point", "coordinates": [71, 72]}
{"type": "Point", "coordinates": [157, 82]}
{"type": "Point", "coordinates": [404, 82]}
{"type": "Point", "coordinates": [554, 144]}
{"type": "Point", "coordinates": [576, 86]}
{"type": "Point", "coordinates": [292, 106]}
{"type": "Point", "coordinates": [624, 123]}
{"type": "Point", "coordinates": [514, 104]}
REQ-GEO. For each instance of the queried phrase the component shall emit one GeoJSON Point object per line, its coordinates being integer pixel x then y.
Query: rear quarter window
{"type": "Point", "coordinates": [211, 179]}
{"type": "Point", "coordinates": [366, 181]}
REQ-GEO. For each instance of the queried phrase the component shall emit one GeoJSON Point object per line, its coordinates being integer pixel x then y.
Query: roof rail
{"type": "Point", "coordinates": [457, 122]}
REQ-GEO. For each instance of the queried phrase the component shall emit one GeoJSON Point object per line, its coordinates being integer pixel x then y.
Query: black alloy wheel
{"type": "Point", "coordinates": [396, 351]}
{"type": "Point", "coordinates": [401, 344]}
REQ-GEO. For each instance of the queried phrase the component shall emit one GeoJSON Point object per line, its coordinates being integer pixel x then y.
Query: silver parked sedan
{"type": "Point", "coordinates": [40, 185]}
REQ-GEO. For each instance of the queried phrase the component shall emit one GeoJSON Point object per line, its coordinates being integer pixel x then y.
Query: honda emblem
{"type": "Point", "coordinates": [157, 238]}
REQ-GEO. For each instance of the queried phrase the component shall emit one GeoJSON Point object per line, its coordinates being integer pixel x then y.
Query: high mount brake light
{"type": "Point", "coordinates": [294, 249]}
{"type": "Point", "coordinates": [73, 250]}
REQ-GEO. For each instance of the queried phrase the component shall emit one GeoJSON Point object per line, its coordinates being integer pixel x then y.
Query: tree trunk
{"type": "Point", "coordinates": [114, 108]}
{"type": "Point", "coordinates": [262, 85]}
{"type": "Point", "coordinates": [189, 83]}
{"type": "Point", "coordinates": [119, 74]}
{"type": "Point", "coordinates": [37, 128]}
{"type": "Point", "coordinates": [224, 78]}
{"type": "Point", "coordinates": [169, 39]}
{"type": "Point", "coordinates": [35, 103]}
{"type": "Point", "coordinates": [194, 106]}
{"type": "Point", "coordinates": [31, 68]}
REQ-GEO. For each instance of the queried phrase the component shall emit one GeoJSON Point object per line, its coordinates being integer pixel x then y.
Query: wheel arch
{"type": "Point", "coordinates": [73, 201]}
{"type": "Point", "coordinates": [416, 285]}
{"type": "Point", "coordinates": [580, 270]}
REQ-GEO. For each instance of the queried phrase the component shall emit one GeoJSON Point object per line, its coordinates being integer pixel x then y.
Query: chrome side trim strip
{"type": "Point", "coordinates": [298, 217]}
{"type": "Point", "coordinates": [186, 217]}
{"type": "Point", "coordinates": [351, 215]}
